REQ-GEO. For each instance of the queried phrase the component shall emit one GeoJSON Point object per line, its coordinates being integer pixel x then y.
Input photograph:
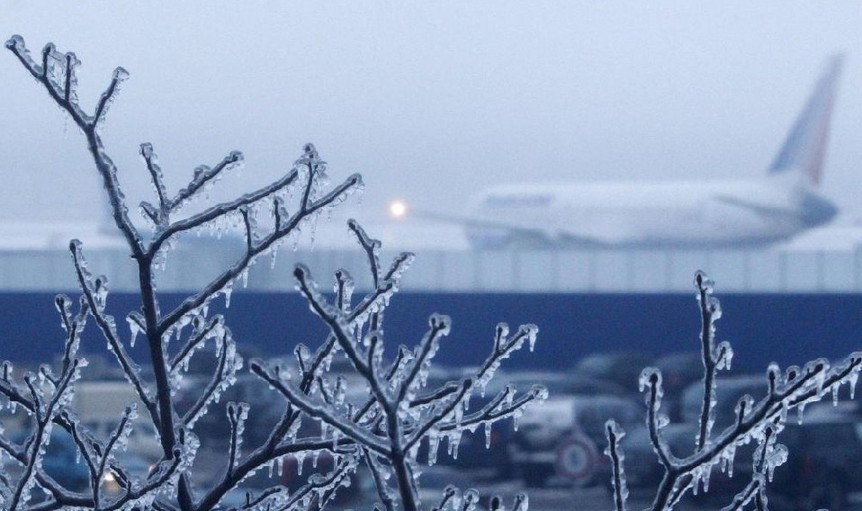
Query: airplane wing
{"type": "Point", "coordinates": [538, 234]}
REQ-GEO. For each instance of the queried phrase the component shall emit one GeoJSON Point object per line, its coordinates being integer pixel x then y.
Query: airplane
{"type": "Point", "coordinates": [666, 214]}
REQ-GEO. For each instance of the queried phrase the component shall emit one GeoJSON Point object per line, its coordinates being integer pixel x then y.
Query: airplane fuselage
{"type": "Point", "coordinates": [644, 214]}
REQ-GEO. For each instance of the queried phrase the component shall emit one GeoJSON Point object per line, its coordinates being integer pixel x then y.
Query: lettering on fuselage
{"type": "Point", "coordinates": [520, 200]}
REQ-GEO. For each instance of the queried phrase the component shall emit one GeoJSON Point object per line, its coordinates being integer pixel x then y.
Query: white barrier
{"type": "Point", "coordinates": [564, 271]}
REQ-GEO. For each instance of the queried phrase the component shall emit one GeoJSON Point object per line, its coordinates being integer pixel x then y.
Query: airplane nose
{"type": "Point", "coordinates": [817, 210]}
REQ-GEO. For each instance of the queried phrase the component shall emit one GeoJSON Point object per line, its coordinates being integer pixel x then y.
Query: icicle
{"type": "Point", "coordinates": [532, 332]}
{"type": "Point", "coordinates": [730, 455]}
{"type": "Point", "coordinates": [227, 290]}
{"type": "Point", "coordinates": [724, 355]}
{"type": "Point", "coordinates": [516, 416]}
{"type": "Point", "coordinates": [135, 321]}
{"type": "Point", "coordinates": [433, 445]}
{"type": "Point", "coordinates": [273, 255]}
{"type": "Point", "coordinates": [300, 459]}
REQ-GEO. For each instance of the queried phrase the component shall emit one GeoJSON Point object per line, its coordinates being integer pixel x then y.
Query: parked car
{"type": "Point", "coordinates": [642, 467]}
{"type": "Point", "coordinates": [492, 461]}
{"type": "Point", "coordinates": [213, 429]}
{"type": "Point", "coordinates": [564, 438]}
{"type": "Point", "coordinates": [484, 464]}
{"type": "Point", "coordinates": [729, 391]}
{"type": "Point", "coordinates": [63, 464]}
{"type": "Point", "coordinates": [678, 370]}
{"type": "Point", "coordinates": [60, 460]}
{"type": "Point", "coordinates": [622, 368]}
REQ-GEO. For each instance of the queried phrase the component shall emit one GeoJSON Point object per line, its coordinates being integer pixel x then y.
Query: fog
{"type": "Point", "coordinates": [429, 101]}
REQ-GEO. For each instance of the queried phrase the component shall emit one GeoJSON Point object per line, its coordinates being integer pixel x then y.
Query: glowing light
{"type": "Point", "coordinates": [398, 209]}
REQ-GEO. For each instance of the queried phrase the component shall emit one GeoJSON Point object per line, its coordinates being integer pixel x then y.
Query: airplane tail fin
{"type": "Point", "coordinates": [805, 146]}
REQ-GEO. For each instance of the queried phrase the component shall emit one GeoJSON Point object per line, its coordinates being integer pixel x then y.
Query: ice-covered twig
{"type": "Point", "coordinates": [63, 94]}
{"type": "Point", "coordinates": [204, 175]}
{"type": "Point", "coordinates": [263, 456]}
{"type": "Point", "coordinates": [439, 415]}
{"type": "Point", "coordinates": [198, 338]}
{"type": "Point", "coordinates": [755, 487]}
{"type": "Point", "coordinates": [613, 434]}
{"type": "Point", "coordinates": [450, 493]}
{"type": "Point", "coordinates": [321, 488]}
{"type": "Point", "coordinates": [490, 413]}
{"type": "Point", "coordinates": [438, 394]}
{"type": "Point", "coordinates": [249, 230]}
{"type": "Point", "coordinates": [220, 210]}
{"type": "Point", "coordinates": [107, 97]}
{"type": "Point", "coordinates": [118, 437]}
{"type": "Point", "coordinates": [297, 399]}
{"type": "Point", "coordinates": [154, 483]}
{"type": "Point", "coordinates": [237, 413]}
{"type": "Point", "coordinates": [469, 500]}
{"type": "Point", "coordinates": [504, 346]}
{"type": "Point", "coordinates": [316, 168]}
{"type": "Point", "coordinates": [522, 502]}
{"type": "Point", "coordinates": [710, 311]}
{"type": "Point", "coordinates": [67, 100]}
{"type": "Point", "coordinates": [218, 381]}
{"type": "Point", "coordinates": [44, 411]}
{"type": "Point", "coordinates": [343, 289]}
{"type": "Point", "coordinates": [74, 326]}
{"type": "Point", "coordinates": [371, 247]}
{"type": "Point", "coordinates": [257, 502]}
{"type": "Point", "coordinates": [109, 331]}
{"type": "Point", "coordinates": [744, 497]}
{"type": "Point", "coordinates": [312, 496]}
{"type": "Point", "coordinates": [338, 325]}
{"type": "Point", "coordinates": [273, 446]}
{"type": "Point", "coordinates": [377, 472]}
{"type": "Point", "coordinates": [651, 382]}
{"type": "Point", "coordinates": [158, 179]}
{"type": "Point", "coordinates": [439, 326]}
{"type": "Point", "coordinates": [229, 275]}
{"type": "Point", "coordinates": [86, 449]}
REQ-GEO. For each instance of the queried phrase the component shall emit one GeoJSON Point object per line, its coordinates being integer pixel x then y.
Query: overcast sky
{"type": "Point", "coordinates": [430, 101]}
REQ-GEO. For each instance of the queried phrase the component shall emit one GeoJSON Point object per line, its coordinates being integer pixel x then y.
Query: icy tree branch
{"type": "Point", "coordinates": [759, 421]}
{"type": "Point", "coordinates": [618, 480]}
{"type": "Point", "coordinates": [95, 294]}
{"type": "Point", "coordinates": [296, 398]}
{"type": "Point", "coordinates": [384, 431]}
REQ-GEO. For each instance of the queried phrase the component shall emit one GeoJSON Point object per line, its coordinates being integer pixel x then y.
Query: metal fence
{"type": "Point", "coordinates": [564, 271]}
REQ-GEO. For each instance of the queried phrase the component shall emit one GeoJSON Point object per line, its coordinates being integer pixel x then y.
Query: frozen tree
{"type": "Point", "coordinates": [757, 423]}
{"type": "Point", "coordinates": [383, 431]}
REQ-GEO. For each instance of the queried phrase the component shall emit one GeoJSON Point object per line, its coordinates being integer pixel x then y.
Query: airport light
{"type": "Point", "coordinates": [398, 209]}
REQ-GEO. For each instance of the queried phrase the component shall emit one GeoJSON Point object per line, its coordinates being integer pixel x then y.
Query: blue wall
{"type": "Point", "coordinates": [789, 329]}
